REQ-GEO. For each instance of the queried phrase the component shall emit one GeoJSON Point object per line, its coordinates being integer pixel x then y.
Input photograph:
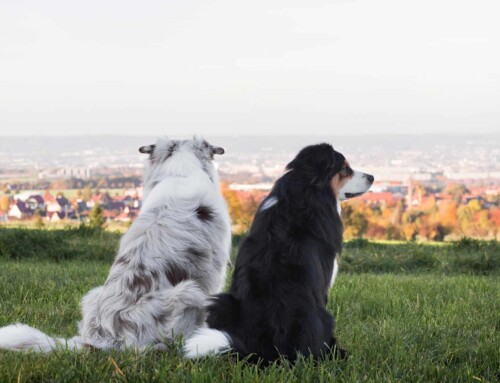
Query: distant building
{"type": "Point", "coordinates": [380, 199]}
{"type": "Point", "coordinates": [35, 202]}
{"type": "Point", "coordinates": [443, 198]}
{"type": "Point", "coordinates": [475, 175]}
{"type": "Point", "coordinates": [57, 216]}
{"type": "Point", "coordinates": [469, 197]}
{"type": "Point", "coordinates": [397, 173]}
{"type": "Point", "coordinates": [60, 205]}
{"type": "Point", "coordinates": [19, 210]}
{"type": "Point", "coordinates": [248, 187]}
{"type": "Point", "coordinates": [74, 172]}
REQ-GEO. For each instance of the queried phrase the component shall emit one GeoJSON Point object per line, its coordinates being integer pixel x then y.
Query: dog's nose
{"type": "Point", "coordinates": [369, 177]}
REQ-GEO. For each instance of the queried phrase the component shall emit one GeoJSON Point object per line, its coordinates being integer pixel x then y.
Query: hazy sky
{"type": "Point", "coordinates": [249, 67]}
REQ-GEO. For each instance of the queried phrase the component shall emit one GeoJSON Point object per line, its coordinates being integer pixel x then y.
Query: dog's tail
{"type": "Point", "coordinates": [20, 337]}
{"type": "Point", "coordinates": [207, 341]}
{"type": "Point", "coordinates": [223, 316]}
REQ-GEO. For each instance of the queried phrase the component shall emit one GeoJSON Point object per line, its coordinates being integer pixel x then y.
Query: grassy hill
{"type": "Point", "coordinates": [80, 243]}
{"type": "Point", "coordinates": [406, 312]}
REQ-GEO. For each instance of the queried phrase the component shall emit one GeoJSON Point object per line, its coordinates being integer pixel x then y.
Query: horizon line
{"type": "Point", "coordinates": [475, 134]}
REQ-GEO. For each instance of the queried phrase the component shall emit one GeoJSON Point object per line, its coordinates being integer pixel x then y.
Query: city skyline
{"type": "Point", "coordinates": [263, 157]}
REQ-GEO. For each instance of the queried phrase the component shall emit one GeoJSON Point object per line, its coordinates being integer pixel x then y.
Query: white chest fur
{"type": "Point", "coordinates": [335, 272]}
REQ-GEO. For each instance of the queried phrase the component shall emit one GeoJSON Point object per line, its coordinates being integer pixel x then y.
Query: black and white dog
{"type": "Point", "coordinates": [276, 305]}
{"type": "Point", "coordinates": [170, 260]}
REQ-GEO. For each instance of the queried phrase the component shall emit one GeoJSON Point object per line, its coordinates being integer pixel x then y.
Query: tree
{"type": "Point", "coordinates": [4, 203]}
{"type": "Point", "coordinates": [87, 194]}
{"type": "Point", "coordinates": [474, 205]}
{"type": "Point", "coordinates": [448, 214]}
{"type": "Point", "coordinates": [106, 199]}
{"type": "Point", "coordinates": [38, 219]}
{"type": "Point", "coordinates": [465, 218]}
{"type": "Point", "coordinates": [409, 231]}
{"type": "Point", "coordinates": [96, 218]}
{"type": "Point", "coordinates": [457, 191]}
{"type": "Point", "coordinates": [397, 214]}
{"type": "Point", "coordinates": [355, 220]}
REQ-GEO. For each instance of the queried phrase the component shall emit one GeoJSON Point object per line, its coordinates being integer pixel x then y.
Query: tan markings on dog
{"type": "Point", "coordinates": [341, 178]}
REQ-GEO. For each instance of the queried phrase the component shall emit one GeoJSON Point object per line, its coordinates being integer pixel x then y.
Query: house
{"type": "Point", "coordinates": [62, 201]}
{"type": "Point", "coordinates": [115, 205]}
{"type": "Point", "coordinates": [128, 214]}
{"type": "Point", "coordinates": [47, 197]}
{"type": "Point", "coordinates": [127, 200]}
{"type": "Point", "coordinates": [123, 217]}
{"type": "Point", "coordinates": [35, 202]}
{"type": "Point", "coordinates": [53, 207]}
{"type": "Point", "coordinates": [59, 205]}
{"type": "Point", "coordinates": [442, 198]}
{"type": "Point", "coordinates": [96, 199]}
{"type": "Point", "coordinates": [79, 206]}
{"type": "Point", "coordinates": [469, 197]}
{"type": "Point", "coordinates": [19, 210]}
{"type": "Point", "coordinates": [380, 199]}
{"type": "Point", "coordinates": [110, 215]}
{"type": "Point", "coordinates": [55, 216]}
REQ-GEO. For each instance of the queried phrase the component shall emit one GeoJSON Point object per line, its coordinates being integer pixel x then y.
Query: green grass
{"type": "Point", "coordinates": [419, 321]}
{"type": "Point", "coordinates": [58, 245]}
{"type": "Point", "coordinates": [466, 256]}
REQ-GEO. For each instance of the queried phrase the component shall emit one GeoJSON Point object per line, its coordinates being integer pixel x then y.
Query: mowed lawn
{"type": "Point", "coordinates": [426, 320]}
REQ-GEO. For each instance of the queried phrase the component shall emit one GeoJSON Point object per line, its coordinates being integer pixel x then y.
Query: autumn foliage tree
{"type": "Point", "coordinates": [356, 220]}
{"type": "Point", "coordinates": [4, 202]}
{"type": "Point", "coordinates": [242, 206]}
{"type": "Point", "coordinates": [429, 217]}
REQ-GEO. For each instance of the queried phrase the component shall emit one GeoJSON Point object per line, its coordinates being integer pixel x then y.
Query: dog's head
{"type": "Point", "coordinates": [325, 167]}
{"type": "Point", "coordinates": [178, 158]}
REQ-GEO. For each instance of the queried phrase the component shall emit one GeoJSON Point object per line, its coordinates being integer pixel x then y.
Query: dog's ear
{"type": "Point", "coordinates": [148, 149]}
{"type": "Point", "coordinates": [216, 150]}
{"type": "Point", "coordinates": [319, 162]}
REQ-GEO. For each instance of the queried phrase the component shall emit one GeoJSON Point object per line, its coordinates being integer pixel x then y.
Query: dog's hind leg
{"type": "Point", "coordinates": [185, 304]}
{"type": "Point", "coordinates": [172, 312]}
{"type": "Point", "coordinates": [335, 351]}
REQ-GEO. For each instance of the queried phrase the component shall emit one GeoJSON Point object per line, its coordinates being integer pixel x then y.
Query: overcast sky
{"type": "Point", "coordinates": [249, 67]}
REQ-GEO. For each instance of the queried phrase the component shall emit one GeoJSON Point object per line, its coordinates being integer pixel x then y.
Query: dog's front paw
{"type": "Point", "coordinates": [340, 353]}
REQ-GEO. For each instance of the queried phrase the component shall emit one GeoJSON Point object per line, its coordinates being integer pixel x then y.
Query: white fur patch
{"type": "Point", "coordinates": [335, 272]}
{"type": "Point", "coordinates": [358, 184]}
{"type": "Point", "coordinates": [206, 341]}
{"type": "Point", "coordinates": [19, 337]}
{"type": "Point", "coordinates": [269, 202]}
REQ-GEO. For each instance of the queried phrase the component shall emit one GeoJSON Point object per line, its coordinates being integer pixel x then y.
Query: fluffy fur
{"type": "Point", "coordinates": [276, 305]}
{"type": "Point", "coordinates": [173, 256]}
